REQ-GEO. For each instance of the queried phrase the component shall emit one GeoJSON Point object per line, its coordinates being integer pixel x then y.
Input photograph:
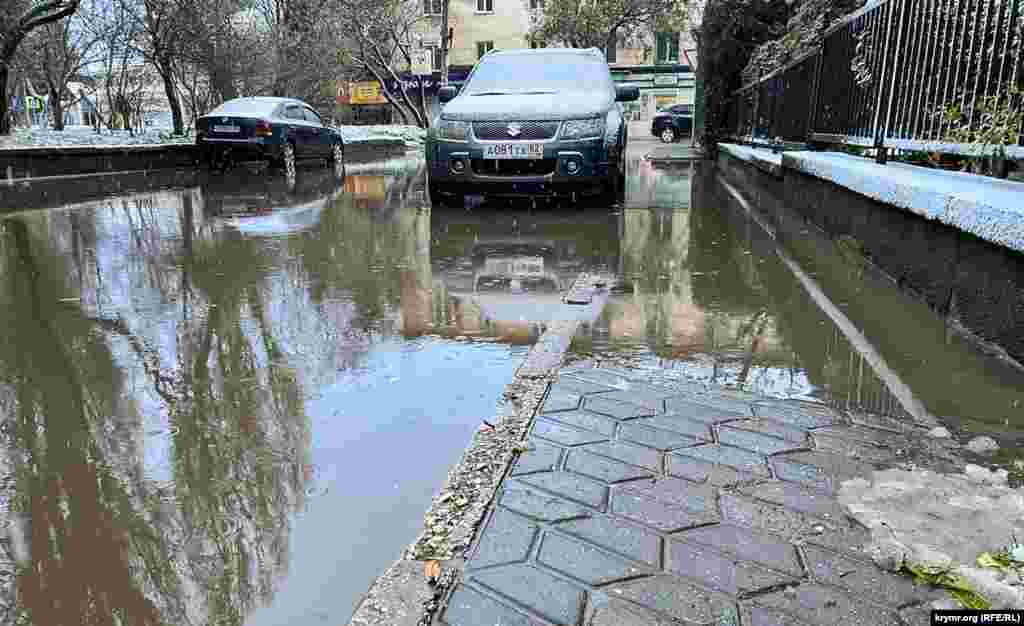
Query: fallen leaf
{"type": "Point", "coordinates": [432, 570]}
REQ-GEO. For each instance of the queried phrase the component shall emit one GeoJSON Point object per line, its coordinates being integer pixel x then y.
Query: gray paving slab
{"type": "Point", "coordinates": [506, 538]}
{"type": "Point", "coordinates": [604, 469]}
{"type": "Point", "coordinates": [644, 506]}
{"type": "Point", "coordinates": [617, 535]}
{"type": "Point", "coordinates": [613, 408]}
{"type": "Point", "coordinates": [564, 434]}
{"type": "Point", "coordinates": [540, 457]}
{"type": "Point", "coordinates": [470, 607]}
{"type": "Point", "coordinates": [528, 586]}
{"type": "Point", "coordinates": [587, 420]}
{"type": "Point", "coordinates": [585, 561]}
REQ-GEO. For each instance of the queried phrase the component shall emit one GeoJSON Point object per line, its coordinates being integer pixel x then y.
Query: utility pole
{"type": "Point", "coordinates": [445, 41]}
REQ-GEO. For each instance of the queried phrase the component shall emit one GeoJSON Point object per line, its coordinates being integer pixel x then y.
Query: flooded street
{"type": "Point", "coordinates": [229, 400]}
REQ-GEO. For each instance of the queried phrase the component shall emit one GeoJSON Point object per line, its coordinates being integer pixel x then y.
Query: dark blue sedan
{"type": "Point", "coordinates": [673, 123]}
{"type": "Point", "coordinates": [277, 130]}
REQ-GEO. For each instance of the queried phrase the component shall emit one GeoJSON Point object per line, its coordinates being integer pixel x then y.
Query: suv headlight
{"type": "Point", "coordinates": [452, 131]}
{"type": "Point", "coordinates": [583, 129]}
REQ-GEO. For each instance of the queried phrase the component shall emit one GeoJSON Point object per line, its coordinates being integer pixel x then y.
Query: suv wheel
{"type": "Point", "coordinates": [668, 134]}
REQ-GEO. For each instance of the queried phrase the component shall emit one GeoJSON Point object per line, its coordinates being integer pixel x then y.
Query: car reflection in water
{"type": "Point", "coordinates": [508, 270]}
{"type": "Point", "coordinates": [255, 201]}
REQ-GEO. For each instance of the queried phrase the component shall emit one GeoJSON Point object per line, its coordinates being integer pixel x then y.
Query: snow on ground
{"type": "Point", "coordinates": [87, 136]}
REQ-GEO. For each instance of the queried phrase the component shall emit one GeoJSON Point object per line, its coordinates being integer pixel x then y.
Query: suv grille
{"type": "Point", "coordinates": [529, 131]}
{"type": "Point", "coordinates": [513, 167]}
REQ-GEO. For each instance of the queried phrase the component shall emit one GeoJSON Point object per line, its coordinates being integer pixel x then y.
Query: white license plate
{"type": "Point", "coordinates": [218, 128]}
{"type": "Point", "coordinates": [514, 151]}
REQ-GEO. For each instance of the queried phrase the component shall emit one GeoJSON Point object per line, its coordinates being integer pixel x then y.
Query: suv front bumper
{"type": "Point", "coordinates": [566, 167]}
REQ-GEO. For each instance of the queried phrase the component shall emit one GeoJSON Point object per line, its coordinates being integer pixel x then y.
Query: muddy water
{"type": "Point", "coordinates": [755, 296]}
{"type": "Point", "coordinates": [228, 399]}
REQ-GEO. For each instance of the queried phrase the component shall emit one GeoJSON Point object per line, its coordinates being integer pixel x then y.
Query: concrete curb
{"type": "Point", "coordinates": [764, 160]}
{"type": "Point", "coordinates": [451, 525]}
{"type": "Point", "coordinates": [27, 164]}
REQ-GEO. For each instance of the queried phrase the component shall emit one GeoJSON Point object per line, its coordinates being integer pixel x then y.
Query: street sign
{"type": "Point", "coordinates": [422, 61]}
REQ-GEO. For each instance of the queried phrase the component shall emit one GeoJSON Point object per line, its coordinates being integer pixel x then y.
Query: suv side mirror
{"type": "Point", "coordinates": [446, 93]}
{"type": "Point", "coordinates": [626, 93]}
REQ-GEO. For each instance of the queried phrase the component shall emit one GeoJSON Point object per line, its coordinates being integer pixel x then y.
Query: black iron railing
{"type": "Point", "coordinates": [930, 75]}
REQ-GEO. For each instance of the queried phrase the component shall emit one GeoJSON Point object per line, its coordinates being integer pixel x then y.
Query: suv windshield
{"type": "Point", "coordinates": [537, 73]}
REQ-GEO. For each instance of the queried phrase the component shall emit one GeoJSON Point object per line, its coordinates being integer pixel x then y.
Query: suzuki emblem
{"type": "Point", "coordinates": [514, 130]}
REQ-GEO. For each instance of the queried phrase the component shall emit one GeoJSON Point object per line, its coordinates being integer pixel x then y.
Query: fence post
{"type": "Point", "coordinates": [757, 106]}
{"type": "Point", "coordinates": [812, 117]}
{"type": "Point", "coordinates": [881, 127]}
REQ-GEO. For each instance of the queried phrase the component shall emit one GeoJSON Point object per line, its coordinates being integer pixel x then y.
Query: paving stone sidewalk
{"type": "Point", "coordinates": [636, 503]}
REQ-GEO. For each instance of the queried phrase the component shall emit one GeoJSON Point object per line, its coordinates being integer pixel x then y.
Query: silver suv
{"type": "Point", "coordinates": [531, 122]}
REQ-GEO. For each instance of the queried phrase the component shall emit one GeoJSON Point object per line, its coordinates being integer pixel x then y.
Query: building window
{"type": "Point", "coordinates": [483, 47]}
{"type": "Point", "coordinates": [611, 53]}
{"type": "Point", "coordinates": [434, 51]}
{"type": "Point", "coordinates": [432, 7]}
{"type": "Point", "coordinates": [536, 4]}
{"type": "Point", "coordinates": [667, 50]}
{"type": "Point", "coordinates": [485, 6]}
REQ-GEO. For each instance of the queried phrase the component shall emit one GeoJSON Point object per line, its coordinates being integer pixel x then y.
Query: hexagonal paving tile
{"type": "Point", "coordinates": [539, 505]}
{"type": "Point", "coordinates": [699, 470]}
{"type": "Point", "coordinates": [737, 458]}
{"type": "Point", "coordinates": [628, 453]}
{"type": "Point", "coordinates": [506, 538]}
{"type": "Point", "coordinates": [678, 424]}
{"type": "Point", "coordinates": [603, 469]}
{"type": "Point", "coordinates": [570, 487]}
{"type": "Point", "coordinates": [564, 434]}
{"type": "Point", "coordinates": [656, 438]}
{"type": "Point", "coordinates": [644, 397]}
{"type": "Point", "coordinates": [612, 613]}
{"type": "Point", "coordinates": [711, 403]}
{"type": "Point", "coordinates": [656, 514]}
{"type": "Point", "coordinates": [536, 590]}
{"type": "Point", "coordinates": [584, 561]}
{"type": "Point", "coordinates": [539, 457]}
{"type": "Point", "coordinates": [772, 428]}
{"type": "Point", "coordinates": [690, 409]}
{"type": "Point", "coordinates": [586, 420]}
{"type": "Point", "coordinates": [561, 401]}
{"type": "Point", "coordinates": [617, 535]}
{"type": "Point", "coordinates": [600, 376]}
{"type": "Point", "coordinates": [795, 496]}
{"type": "Point", "coordinates": [618, 410]}
{"type": "Point", "coordinates": [715, 570]}
{"type": "Point", "coordinates": [569, 385]}
{"type": "Point", "coordinates": [672, 491]}
{"type": "Point", "coordinates": [747, 544]}
{"type": "Point", "coordinates": [755, 442]}
{"type": "Point", "coordinates": [680, 600]}
{"type": "Point", "coordinates": [469, 607]}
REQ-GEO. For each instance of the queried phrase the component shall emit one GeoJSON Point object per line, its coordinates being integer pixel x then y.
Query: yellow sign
{"type": "Point", "coordinates": [366, 92]}
{"type": "Point", "coordinates": [664, 102]}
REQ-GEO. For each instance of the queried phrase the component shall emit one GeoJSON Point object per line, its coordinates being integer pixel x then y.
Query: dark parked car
{"type": "Point", "coordinates": [673, 123]}
{"type": "Point", "coordinates": [531, 122]}
{"type": "Point", "coordinates": [278, 130]}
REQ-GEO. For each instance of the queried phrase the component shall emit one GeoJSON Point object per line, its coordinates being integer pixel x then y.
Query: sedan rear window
{"type": "Point", "coordinates": [244, 106]}
{"type": "Point", "coordinates": [538, 72]}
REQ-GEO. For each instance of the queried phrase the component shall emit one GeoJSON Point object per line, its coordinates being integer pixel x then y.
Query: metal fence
{"type": "Point", "coordinates": [884, 75]}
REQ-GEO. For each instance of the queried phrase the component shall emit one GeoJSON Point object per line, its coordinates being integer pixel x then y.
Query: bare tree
{"type": "Point", "coordinates": [17, 20]}
{"type": "Point", "coordinates": [382, 42]}
{"type": "Point", "coordinates": [602, 23]}
{"type": "Point", "coordinates": [60, 50]}
{"type": "Point", "coordinates": [159, 41]}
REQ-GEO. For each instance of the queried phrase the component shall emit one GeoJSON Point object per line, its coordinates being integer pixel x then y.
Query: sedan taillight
{"type": "Point", "coordinates": [263, 128]}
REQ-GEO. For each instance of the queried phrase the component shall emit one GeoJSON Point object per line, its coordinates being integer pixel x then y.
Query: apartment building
{"type": "Point", "coordinates": [662, 65]}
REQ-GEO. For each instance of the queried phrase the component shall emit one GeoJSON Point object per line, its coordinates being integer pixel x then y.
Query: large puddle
{"type": "Point", "coordinates": [229, 400]}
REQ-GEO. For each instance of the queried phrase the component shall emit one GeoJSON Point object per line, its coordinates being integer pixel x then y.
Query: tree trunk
{"type": "Point", "coordinates": [58, 109]}
{"type": "Point", "coordinates": [172, 98]}
{"type": "Point", "coordinates": [5, 101]}
{"type": "Point", "coordinates": [444, 42]}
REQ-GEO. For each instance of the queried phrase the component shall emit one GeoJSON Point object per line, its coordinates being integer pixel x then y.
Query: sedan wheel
{"type": "Point", "coordinates": [668, 135]}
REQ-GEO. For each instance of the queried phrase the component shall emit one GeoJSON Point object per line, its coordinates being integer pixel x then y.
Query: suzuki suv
{"type": "Point", "coordinates": [531, 122]}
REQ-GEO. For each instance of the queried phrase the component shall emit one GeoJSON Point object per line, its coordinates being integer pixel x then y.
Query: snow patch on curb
{"type": "Point", "coordinates": [764, 160]}
{"type": "Point", "coordinates": [986, 207]}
